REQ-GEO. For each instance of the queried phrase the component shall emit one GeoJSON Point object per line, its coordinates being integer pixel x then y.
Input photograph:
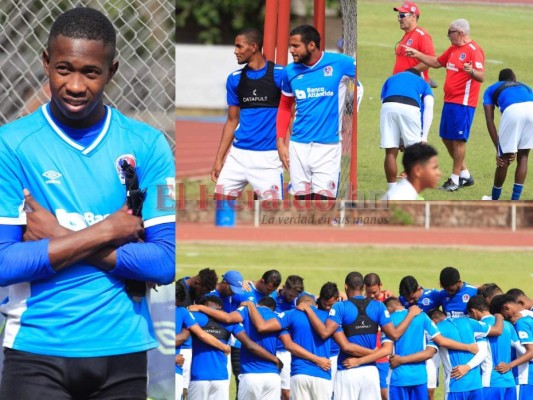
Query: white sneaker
{"type": "Point", "coordinates": [486, 198]}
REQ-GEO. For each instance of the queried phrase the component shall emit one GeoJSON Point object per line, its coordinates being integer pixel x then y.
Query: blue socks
{"type": "Point", "coordinates": [496, 192]}
{"type": "Point", "coordinates": [517, 191]}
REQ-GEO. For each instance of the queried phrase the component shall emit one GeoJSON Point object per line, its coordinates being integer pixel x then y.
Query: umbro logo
{"type": "Point", "coordinates": [53, 177]}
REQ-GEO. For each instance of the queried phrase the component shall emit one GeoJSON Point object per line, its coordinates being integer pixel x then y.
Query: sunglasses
{"type": "Point", "coordinates": [403, 15]}
{"type": "Point", "coordinates": [450, 32]}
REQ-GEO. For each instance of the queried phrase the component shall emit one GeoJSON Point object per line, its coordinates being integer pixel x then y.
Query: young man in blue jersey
{"type": "Point", "coordinates": [69, 258]}
{"type": "Point", "coordinates": [316, 82]}
{"type": "Point", "coordinates": [359, 318]}
{"type": "Point", "coordinates": [405, 118]}
{"type": "Point", "coordinates": [266, 286]}
{"type": "Point", "coordinates": [515, 101]}
{"type": "Point", "coordinates": [496, 385]}
{"type": "Point", "coordinates": [455, 293]}
{"type": "Point", "coordinates": [196, 286]}
{"type": "Point", "coordinates": [248, 142]}
{"type": "Point", "coordinates": [509, 308]}
{"type": "Point", "coordinates": [213, 383]}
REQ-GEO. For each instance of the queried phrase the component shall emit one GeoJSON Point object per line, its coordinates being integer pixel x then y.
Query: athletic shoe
{"type": "Point", "coordinates": [449, 186]}
{"type": "Point", "coordinates": [433, 84]}
{"type": "Point", "coordinates": [486, 198]}
{"type": "Point", "coordinates": [466, 182]}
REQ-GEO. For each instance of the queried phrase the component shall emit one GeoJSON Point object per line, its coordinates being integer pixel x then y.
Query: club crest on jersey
{"type": "Point", "coordinates": [462, 56]}
{"type": "Point", "coordinates": [328, 70]}
{"type": "Point", "coordinates": [409, 42]}
{"type": "Point", "coordinates": [332, 185]}
{"type": "Point", "coordinates": [466, 298]}
{"type": "Point", "coordinates": [426, 301]}
{"type": "Point", "coordinates": [52, 177]}
{"type": "Point", "coordinates": [130, 158]}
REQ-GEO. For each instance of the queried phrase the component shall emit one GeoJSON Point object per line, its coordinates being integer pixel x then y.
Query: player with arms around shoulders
{"type": "Point", "coordinates": [317, 82]}
{"type": "Point", "coordinates": [67, 257]}
{"type": "Point", "coordinates": [249, 133]}
{"type": "Point", "coordinates": [515, 101]}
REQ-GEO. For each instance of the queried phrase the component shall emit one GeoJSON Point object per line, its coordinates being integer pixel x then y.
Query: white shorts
{"type": "Point", "coordinates": [285, 373]}
{"type": "Point", "coordinates": [333, 360]}
{"type": "Point", "coordinates": [259, 386]}
{"type": "Point", "coordinates": [432, 368]}
{"type": "Point", "coordinates": [315, 168]}
{"type": "Point", "coordinates": [399, 123]}
{"type": "Point", "coordinates": [360, 92]}
{"type": "Point", "coordinates": [208, 390]}
{"type": "Point", "coordinates": [307, 387]}
{"type": "Point", "coordinates": [357, 384]}
{"type": "Point", "coordinates": [516, 128]}
{"type": "Point", "coordinates": [187, 356]}
{"type": "Point", "coordinates": [261, 169]}
{"type": "Point", "coordinates": [179, 386]}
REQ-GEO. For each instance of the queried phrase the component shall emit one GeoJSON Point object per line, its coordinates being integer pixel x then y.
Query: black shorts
{"type": "Point", "coordinates": [28, 376]}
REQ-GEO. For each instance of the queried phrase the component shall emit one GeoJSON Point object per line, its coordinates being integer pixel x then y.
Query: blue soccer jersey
{"type": "Point", "coordinates": [499, 350]}
{"type": "Point", "coordinates": [302, 333]}
{"type": "Point", "coordinates": [184, 319]}
{"type": "Point", "coordinates": [257, 125]}
{"type": "Point", "coordinates": [463, 330]}
{"type": "Point", "coordinates": [345, 313]}
{"type": "Point", "coordinates": [53, 313]}
{"type": "Point", "coordinates": [508, 96]}
{"type": "Point", "coordinates": [250, 363]}
{"type": "Point", "coordinates": [524, 328]}
{"type": "Point", "coordinates": [319, 91]}
{"type": "Point", "coordinates": [209, 363]}
{"type": "Point", "coordinates": [430, 300]}
{"type": "Point", "coordinates": [455, 306]}
{"type": "Point", "coordinates": [412, 341]}
{"type": "Point", "coordinates": [406, 84]}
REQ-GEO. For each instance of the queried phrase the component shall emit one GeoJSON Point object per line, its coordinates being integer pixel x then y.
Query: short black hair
{"type": "Point", "coordinates": [303, 297]}
{"type": "Point", "coordinates": [294, 282]}
{"type": "Point", "coordinates": [408, 285]}
{"type": "Point", "coordinates": [413, 71]}
{"type": "Point", "coordinates": [391, 299]}
{"type": "Point", "coordinates": [488, 290]}
{"type": "Point", "coordinates": [307, 34]}
{"type": "Point", "coordinates": [449, 276]}
{"type": "Point", "coordinates": [267, 301]}
{"type": "Point", "coordinates": [354, 280]}
{"type": "Point", "coordinates": [371, 279]}
{"type": "Point", "coordinates": [436, 313]}
{"type": "Point", "coordinates": [516, 293]}
{"type": "Point", "coordinates": [507, 74]}
{"type": "Point", "coordinates": [497, 302]}
{"type": "Point", "coordinates": [327, 291]}
{"type": "Point", "coordinates": [477, 302]}
{"type": "Point", "coordinates": [84, 23]}
{"type": "Point", "coordinates": [180, 292]}
{"type": "Point", "coordinates": [209, 278]}
{"type": "Point", "coordinates": [253, 36]}
{"type": "Point", "coordinates": [210, 298]}
{"type": "Point", "coordinates": [415, 154]}
{"type": "Point", "coordinates": [272, 276]}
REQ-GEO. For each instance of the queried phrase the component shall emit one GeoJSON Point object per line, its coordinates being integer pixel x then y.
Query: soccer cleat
{"type": "Point", "coordinates": [485, 197]}
{"type": "Point", "coordinates": [466, 182]}
{"type": "Point", "coordinates": [449, 186]}
{"type": "Point", "coordinates": [433, 84]}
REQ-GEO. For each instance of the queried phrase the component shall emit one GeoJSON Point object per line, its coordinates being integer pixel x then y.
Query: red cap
{"type": "Point", "coordinates": [408, 7]}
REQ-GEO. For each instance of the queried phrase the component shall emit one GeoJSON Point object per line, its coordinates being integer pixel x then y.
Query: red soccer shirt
{"type": "Point", "coordinates": [418, 39]}
{"type": "Point", "coordinates": [459, 87]}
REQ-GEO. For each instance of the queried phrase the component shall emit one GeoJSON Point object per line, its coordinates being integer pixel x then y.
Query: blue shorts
{"type": "Point", "coordinates": [383, 369]}
{"type": "Point", "coordinates": [408, 392]}
{"type": "Point", "coordinates": [456, 121]}
{"type": "Point", "coordinates": [499, 393]}
{"type": "Point", "coordinates": [471, 395]}
{"type": "Point", "coordinates": [526, 392]}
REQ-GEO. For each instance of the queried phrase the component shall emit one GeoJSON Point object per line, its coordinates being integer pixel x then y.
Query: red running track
{"type": "Point", "coordinates": [374, 236]}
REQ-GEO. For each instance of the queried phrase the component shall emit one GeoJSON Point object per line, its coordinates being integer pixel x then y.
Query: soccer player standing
{"type": "Point", "coordinates": [253, 94]}
{"type": "Point", "coordinates": [66, 261]}
{"type": "Point", "coordinates": [464, 62]}
{"type": "Point", "coordinates": [317, 83]}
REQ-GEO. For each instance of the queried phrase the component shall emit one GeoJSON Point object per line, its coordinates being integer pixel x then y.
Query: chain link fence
{"type": "Point", "coordinates": [144, 85]}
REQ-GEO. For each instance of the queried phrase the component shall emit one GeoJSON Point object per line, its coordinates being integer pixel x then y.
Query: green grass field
{"type": "Point", "coordinates": [500, 31]}
{"type": "Point", "coordinates": [318, 264]}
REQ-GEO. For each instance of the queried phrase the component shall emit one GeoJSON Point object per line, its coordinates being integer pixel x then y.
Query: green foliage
{"type": "Point", "coordinates": [216, 21]}
{"type": "Point", "coordinates": [401, 217]}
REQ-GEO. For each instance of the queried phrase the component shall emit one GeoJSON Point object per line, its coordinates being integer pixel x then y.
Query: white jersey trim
{"type": "Point", "coordinates": [159, 220]}
{"type": "Point", "coordinates": [18, 295]}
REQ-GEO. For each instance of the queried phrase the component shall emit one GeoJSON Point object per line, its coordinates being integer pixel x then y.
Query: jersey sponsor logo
{"type": "Point", "coordinates": [300, 94]}
{"type": "Point", "coordinates": [52, 177]}
{"type": "Point", "coordinates": [455, 314]}
{"type": "Point", "coordinates": [363, 325]}
{"type": "Point", "coordinates": [462, 56]}
{"type": "Point", "coordinates": [255, 97]}
{"type": "Point", "coordinates": [130, 159]}
{"type": "Point", "coordinates": [76, 221]}
{"type": "Point", "coordinates": [319, 92]}
{"type": "Point", "coordinates": [426, 301]}
{"type": "Point", "coordinates": [409, 42]}
{"type": "Point", "coordinates": [451, 67]}
{"type": "Point", "coordinates": [328, 70]}
{"type": "Point", "coordinates": [479, 65]}
{"type": "Point", "coordinates": [466, 297]}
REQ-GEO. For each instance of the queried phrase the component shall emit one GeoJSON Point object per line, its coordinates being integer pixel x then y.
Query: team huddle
{"type": "Point", "coordinates": [407, 110]}
{"type": "Point", "coordinates": [357, 344]}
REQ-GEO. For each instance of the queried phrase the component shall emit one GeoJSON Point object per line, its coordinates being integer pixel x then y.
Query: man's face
{"type": "Point", "coordinates": [373, 292]}
{"type": "Point", "coordinates": [452, 289]}
{"type": "Point", "coordinates": [327, 304]}
{"type": "Point", "coordinates": [226, 289]}
{"type": "Point", "coordinates": [212, 305]}
{"type": "Point", "coordinates": [267, 288]}
{"type": "Point", "coordinates": [413, 297]}
{"type": "Point", "coordinates": [290, 294]}
{"type": "Point", "coordinates": [454, 35]}
{"type": "Point", "coordinates": [243, 50]}
{"type": "Point", "coordinates": [510, 309]}
{"type": "Point", "coordinates": [299, 50]}
{"type": "Point", "coordinates": [430, 173]}
{"type": "Point", "coordinates": [407, 21]}
{"type": "Point", "coordinates": [78, 70]}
